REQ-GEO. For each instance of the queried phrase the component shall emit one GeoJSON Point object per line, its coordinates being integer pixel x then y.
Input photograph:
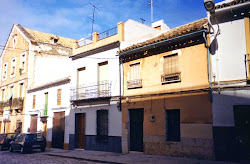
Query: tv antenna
{"type": "Point", "coordinates": [142, 20]}
{"type": "Point", "coordinates": [93, 17]}
{"type": "Point", "coordinates": [151, 4]}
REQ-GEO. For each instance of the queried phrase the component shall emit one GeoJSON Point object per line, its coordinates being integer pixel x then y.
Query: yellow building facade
{"type": "Point", "coordinates": [14, 73]}
{"type": "Point", "coordinates": [166, 107]}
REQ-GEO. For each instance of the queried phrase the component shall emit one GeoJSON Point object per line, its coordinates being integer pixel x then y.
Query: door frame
{"type": "Point", "coordinates": [129, 130]}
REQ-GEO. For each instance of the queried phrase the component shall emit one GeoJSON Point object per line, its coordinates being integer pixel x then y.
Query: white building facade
{"type": "Point", "coordinates": [230, 49]}
{"type": "Point", "coordinates": [49, 110]}
{"type": "Point", "coordinates": [96, 87]}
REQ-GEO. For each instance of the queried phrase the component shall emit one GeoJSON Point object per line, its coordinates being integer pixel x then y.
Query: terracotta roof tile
{"type": "Point", "coordinates": [230, 3]}
{"type": "Point", "coordinates": [178, 31]}
{"type": "Point", "coordinates": [42, 37]}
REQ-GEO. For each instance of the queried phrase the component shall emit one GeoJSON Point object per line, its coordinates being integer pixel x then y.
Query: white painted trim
{"type": "Point", "coordinates": [11, 85]}
{"type": "Point", "coordinates": [14, 41]}
{"type": "Point", "coordinates": [22, 81]}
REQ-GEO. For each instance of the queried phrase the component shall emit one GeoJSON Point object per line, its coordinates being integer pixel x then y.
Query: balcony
{"type": "Point", "coordinates": [91, 91]}
{"type": "Point", "coordinates": [134, 83]}
{"type": "Point", "coordinates": [17, 104]}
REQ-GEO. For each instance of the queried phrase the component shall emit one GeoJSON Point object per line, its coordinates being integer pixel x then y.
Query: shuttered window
{"type": "Point", "coordinates": [102, 124]}
{"type": "Point", "coordinates": [171, 64]}
{"type": "Point", "coordinates": [59, 95]}
{"type": "Point", "coordinates": [103, 71]}
{"type": "Point", "coordinates": [135, 71]}
{"type": "Point", "coordinates": [173, 125]}
{"type": "Point", "coordinates": [34, 102]}
{"type": "Point", "coordinates": [81, 81]}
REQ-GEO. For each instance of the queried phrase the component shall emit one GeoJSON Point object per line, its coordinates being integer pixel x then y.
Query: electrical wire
{"type": "Point", "coordinates": [10, 49]}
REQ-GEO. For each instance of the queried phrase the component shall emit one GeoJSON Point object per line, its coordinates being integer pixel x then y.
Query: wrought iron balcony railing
{"type": "Point", "coordinates": [137, 83]}
{"type": "Point", "coordinates": [88, 91]}
{"type": "Point", "coordinates": [108, 33]}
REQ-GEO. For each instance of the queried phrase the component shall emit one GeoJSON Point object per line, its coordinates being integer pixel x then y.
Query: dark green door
{"type": "Point", "coordinates": [136, 129]}
{"type": "Point", "coordinates": [242, 126]}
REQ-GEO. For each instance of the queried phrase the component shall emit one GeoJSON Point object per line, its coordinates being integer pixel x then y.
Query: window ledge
{"type": "Point", "coordinates": [168, 82]}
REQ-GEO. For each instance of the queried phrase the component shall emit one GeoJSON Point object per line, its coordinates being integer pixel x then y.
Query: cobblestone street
{"type": "Point", "coordinates": [7, 157]}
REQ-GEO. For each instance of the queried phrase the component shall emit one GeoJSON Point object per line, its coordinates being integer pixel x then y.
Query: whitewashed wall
{"type": "Point", "coordinates": [115, 118]}
{"type": "Point", "coordinates": [50, 67]}
{"type": "Point", "coordinates": [91, 65]}
{"type": "Point", "coordinates": [52, 107]}
{"type": "Point", "coordinates": [228, 62]}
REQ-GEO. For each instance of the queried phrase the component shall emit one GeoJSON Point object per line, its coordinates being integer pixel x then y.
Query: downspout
{"type": "Point", "coordinates": [209, 67]}
{"type": "Point", "coordinates": [120, 78]}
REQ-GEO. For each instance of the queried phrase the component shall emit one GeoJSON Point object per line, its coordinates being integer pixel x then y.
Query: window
{"type": "Point", "coordinates": [103, 77]}
{"type": "Point", "coordinates": [21, 90]}
{"type": "Point", "coordinates": [3, 94]}
{"type": "Point", "coordinates": [34, 102]}
{"type": "Point", "coordinates": [134, 76]}
{"type": "Point", "coordinates": [14, 41]}
{"type": "Point", "coordinates": [22, 63]}
{"type": "Point", "coordinates": [171, 71]}
{"type": "Point", "coordinates": [102, 124]}
{"type": "Point", "coordinates": [103, 71]}
{"type": "Point", "coordinates": [81, 80]}
{"type": "Point", "coordinates": [5, 66]}
{"type": "Point", "coordinates": [13, 67]}
{"type": "Point", "coordinates": [59, 95]}
{"type": "Point", "coordinates": [173, 125]}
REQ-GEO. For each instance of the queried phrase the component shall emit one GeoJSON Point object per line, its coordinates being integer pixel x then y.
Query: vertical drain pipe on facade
{"type": "Point", "coordinates": [209, 67]}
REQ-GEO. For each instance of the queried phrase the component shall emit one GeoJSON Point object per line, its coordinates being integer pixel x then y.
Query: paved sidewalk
{"type": "Point", "coordinates": [108, 157]}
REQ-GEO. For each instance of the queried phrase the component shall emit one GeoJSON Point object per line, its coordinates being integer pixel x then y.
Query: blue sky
{"type": "Point", "coordinates": [70, 18]}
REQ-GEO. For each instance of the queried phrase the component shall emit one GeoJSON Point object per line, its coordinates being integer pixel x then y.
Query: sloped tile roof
{"type": "Point", "coordinates": [175, 32]}
{"type": "Point", "coordinates": [46, 38]}
{"type": "Point", "coordinates": [37, 36]}
{"type": "Point", "coordinates": [229, 3]}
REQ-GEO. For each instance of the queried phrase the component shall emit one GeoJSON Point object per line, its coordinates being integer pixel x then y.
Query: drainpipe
{"type": "Point", "coordinates": [209, 67]}
{"type": "Point", "coordinates": [120, 78]}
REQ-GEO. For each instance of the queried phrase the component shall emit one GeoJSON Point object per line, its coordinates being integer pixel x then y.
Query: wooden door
{"type": "Point", "coordinates": [58, 130]}
{"type": "Point", "coordinates": [33, 123]}
{"type": "Point", "coordinates": [45, 129]}
{"type": "Point", "coordinates": [136, 129]}
{"type": "Point", "coordinates": [80, 130]}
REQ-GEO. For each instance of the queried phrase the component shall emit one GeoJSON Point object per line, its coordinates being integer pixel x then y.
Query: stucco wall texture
{"type": "Point", "coordinates": [22, 46]}
{"type": "Point", "coordinates": [195, 125]}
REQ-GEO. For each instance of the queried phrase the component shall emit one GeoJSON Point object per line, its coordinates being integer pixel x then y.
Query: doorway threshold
{"type": "Point", "coordinates": [135, 152]}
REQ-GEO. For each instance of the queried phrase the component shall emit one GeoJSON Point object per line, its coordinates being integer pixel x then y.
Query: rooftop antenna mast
{"type": "Point", "coordinates": [93, 17]}
{"type": "Point", "coordinates": [151, 4]}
